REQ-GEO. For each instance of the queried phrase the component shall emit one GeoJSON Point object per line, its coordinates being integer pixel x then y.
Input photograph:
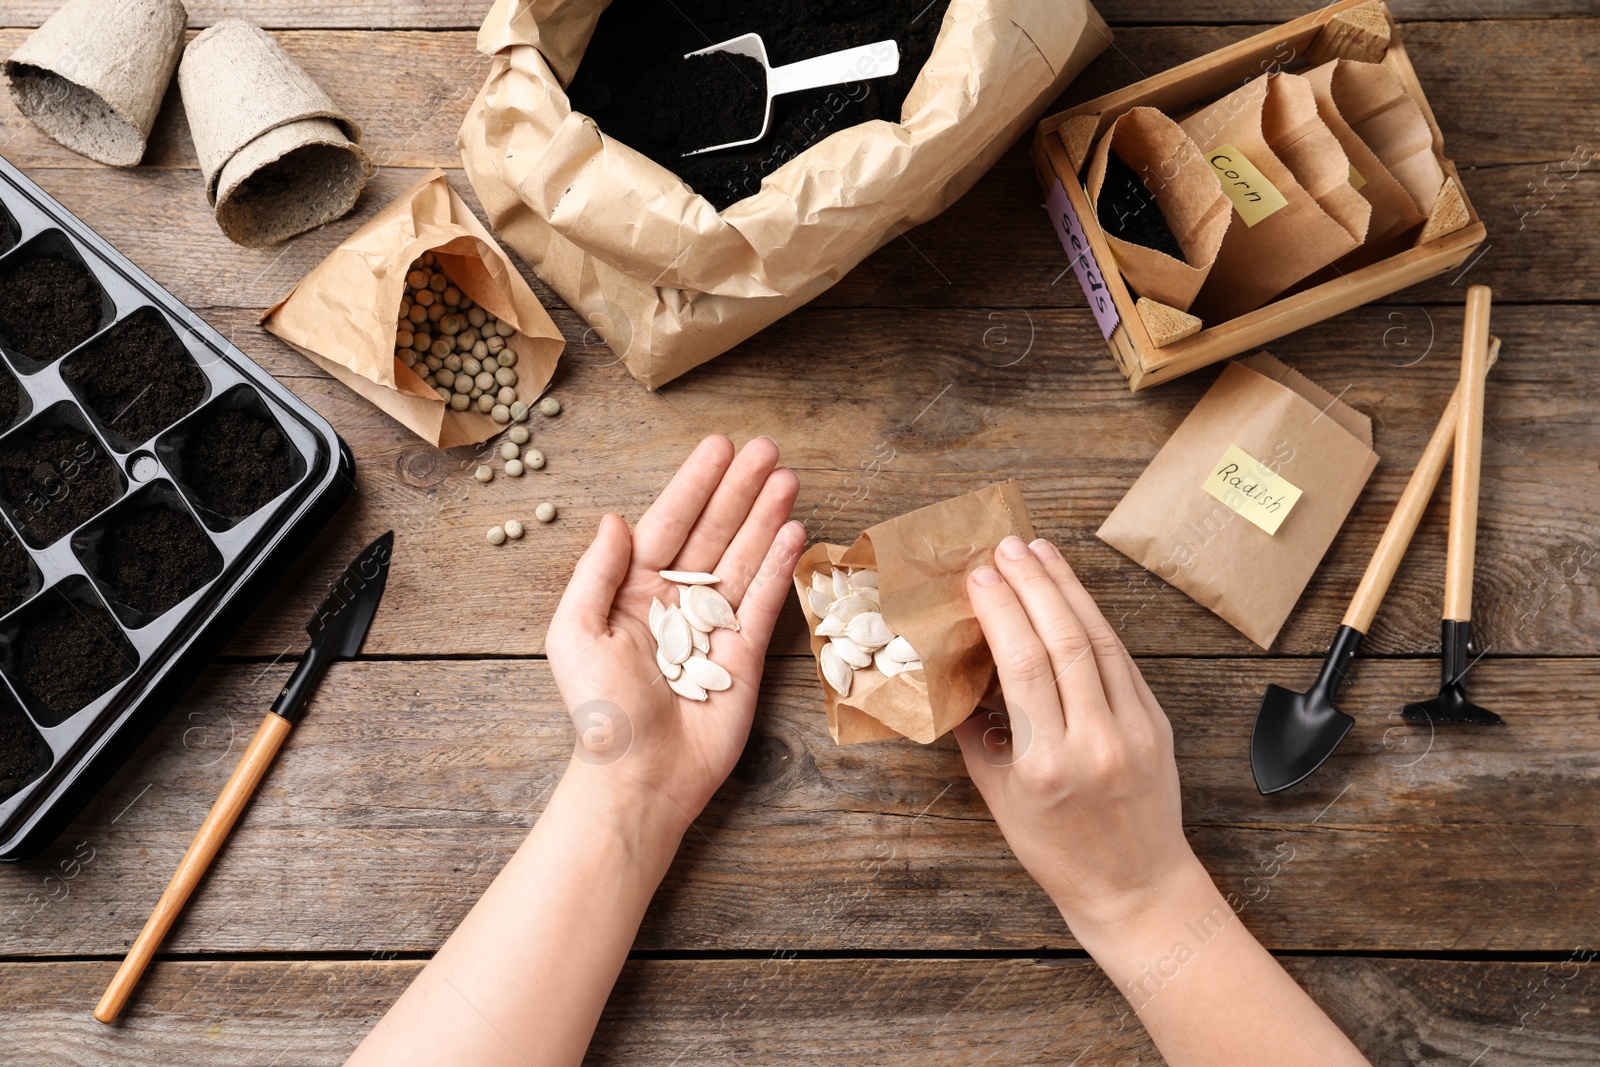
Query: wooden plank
{"type": "Point", "coordinates": [886, 1012]}
{"type": "Point", "coordinates": [923, 406]}
{"type": "Point", "coordinates": [410, 784]}
{"type": "Point", "coordinates": [449, 14]}
{"type": "Point", "coordinates": [411, 90]}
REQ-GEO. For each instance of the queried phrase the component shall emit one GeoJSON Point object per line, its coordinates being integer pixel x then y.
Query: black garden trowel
{"type": "Point", "coordinates": [1452, 705]}
{"type": "Point", "coordinates": [1295, 732]}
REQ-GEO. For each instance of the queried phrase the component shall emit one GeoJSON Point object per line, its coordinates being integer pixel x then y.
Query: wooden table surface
{"type": "Point", "coordinates": [857, 905]}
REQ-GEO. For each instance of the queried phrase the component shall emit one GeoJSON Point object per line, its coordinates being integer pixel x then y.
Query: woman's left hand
{"type": "Point", "coordinates": [637, 739]}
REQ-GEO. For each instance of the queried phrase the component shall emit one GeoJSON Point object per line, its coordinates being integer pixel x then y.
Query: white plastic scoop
{"type": "Point", "coordinates": [876, 60]}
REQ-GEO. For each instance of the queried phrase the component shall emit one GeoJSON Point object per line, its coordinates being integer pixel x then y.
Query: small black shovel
{"type": "Point", "coordinates": [1295, 732]}
{"type": "Point", "coordinates": [1452, 705]}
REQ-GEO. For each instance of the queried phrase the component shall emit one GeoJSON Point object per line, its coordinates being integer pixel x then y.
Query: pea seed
{"type": "Point", "coordinates": [476, 392]}
{"type": "Point", "coordinates": [466, 302]}
{"type": "Point", "coordinates": [453, 362]}
{"type": "Point", "coordinates": [545, 512]}
{"type": "Point", "coordinates": [494, 342]}
{"type": "Point", "coordinates": [405, 306]}
{"type": "Point", "coordinates": [452, 295]}
{"type": "Point", "coordinates": [441, 348]}
{"type": "Point", "coordinates": [514, 468]}
{"type": "Point", "coordinates": [421, 341]}
{"type": "Point", "coordinates": [418, 314]}
{"type": "Point", "coordinates": [417, 279]}
{"type": "Point", "coordinates": [470, 334]}
{"type": "Point", "coordinates": [436, 313]}
{"type": "Point", "coordinates": [463, 385]}
{"type": "Point", "coordinates": [470, 366]}
{"type": "Point", "coordinates": [485, 403]}
{"type": "Point", "coordinates": [463, 342]}
{"type": "Point", "coordinates": [446, 377]}
{"type": "Point", "coordinates": [460, 402]}
{"type": "Point", "coordinates": [426, 259]}
{"type": "Point", "coordinates": [408, 357]}
{"type": "Point", "coordinates": [483, 473]}
{"type": "Point", "coordinates": [476, 317]}
{"type": "Point", "coordinates": [500, 413]}
{"type": "Point", "coordinates": [533, 458]}
{"type": "Point", "coordinates": [506, 395]}
{"type": "Point", "coordinates": [505, 376]}
{"type": "Point", "coordinates": [450, 325]}
{"type": "Point", "coordinates": [508, 450]}
{"type": "Point", "coordinates": [519, 434]}
{"type": "Point", "coordinates": [403, 338]}
{"type": "Point", "coordinates": [434, 363]}
{"type": "Point", "coordinates": [438, 283]}
{"type": "Point", "coordinates": [550, 407]}
{"type": "Point", "coordinates": [480, 351]}
{"type": "Point", "coordinates": [504, 329]}
{"type": "Point", "coordinates": [497, 535]}
{"type": "Point", "coordinates": [444, 394]}
{"type": "Point", "coordinates": [506, 358]}
{"type": "Point", "coordinates": [484, 380]}
{"type": "Point", "coordinates": [514, 529]}
{"type": "Point", "coordinates": [425, 297]}
{"type": "Point", "coordinates": [519, 411]}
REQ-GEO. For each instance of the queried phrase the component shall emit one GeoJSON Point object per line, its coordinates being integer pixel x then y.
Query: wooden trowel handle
{"type": "Point", "coordinates": [1468, 459]}
{"type": "Point", "coordinates": [1407, 513]}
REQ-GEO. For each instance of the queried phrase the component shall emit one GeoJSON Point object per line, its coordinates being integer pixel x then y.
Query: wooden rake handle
{"type": "Point", "coordinates": [1468, 462]}
{"type": "Point", "coordinates": [213, 832]}
{"type": "Point", "coordinates": [1408, 511]}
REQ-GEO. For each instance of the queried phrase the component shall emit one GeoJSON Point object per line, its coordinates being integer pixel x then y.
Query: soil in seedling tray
{"type": "Point", "coordinates": [10, 399]}
{"type": "Point", "coordinates": [1127, 209]}
{"type": "Point", "coordinates": [55, 478]}
{"type": "Point", "coordinates": [138, 378]}
{"type": "Point", "coordinates": [235, 462]}
{"type": "Point", "coordinates": [52, 305]}
{"type": "Point", "coordinates": [23, 754]}
{"type": "Point", "coordinates": [153, 557]}
{"type": "Point", "coordinates": [68, 655]}
{"type": "Point", "coordinates": [634, 82]}
{"type": "Point", "coordinates": [16, 573]}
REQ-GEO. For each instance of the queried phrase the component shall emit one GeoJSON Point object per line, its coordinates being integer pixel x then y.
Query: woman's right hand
{"type": "Point", "coordinates": [1081, 779]}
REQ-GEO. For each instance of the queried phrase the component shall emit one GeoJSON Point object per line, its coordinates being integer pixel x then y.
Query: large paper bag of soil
{"type": "Point", "coordinates": [663, 277]}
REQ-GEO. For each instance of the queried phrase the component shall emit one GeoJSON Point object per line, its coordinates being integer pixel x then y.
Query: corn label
{"type": "Point", "coordinates": [1251, 488]}
{"type": "Point", "coordinates": [1253, 196]}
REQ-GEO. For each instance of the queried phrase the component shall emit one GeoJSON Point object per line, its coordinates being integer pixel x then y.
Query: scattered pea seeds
{"type": "Point", "coordinates": [514, 468]}
{"type": "Point", "coordinates": [545, 512]}
{"type": "Point", "coordinates": [514, 529]}
{"type": "Point", "coordinates": [497, 535]}
{"type": "Point", "coordinates": [484, 472]}
{"type": "Point", "coordinates": [533, 459]}
{"type": "Point", "coordinates": [456, 347]}
{"type": "Point", "coordinates": [508, 449]}
{"type": "Point", "coordinates": [518, 435]}
{"type": "Point", "coordinates": [550, 407]}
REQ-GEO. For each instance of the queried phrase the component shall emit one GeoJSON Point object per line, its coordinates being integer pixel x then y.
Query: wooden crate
{"type": "Point", "coordinates": [1153, 343]}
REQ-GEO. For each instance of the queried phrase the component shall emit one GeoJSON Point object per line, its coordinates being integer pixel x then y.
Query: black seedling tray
{"type": "Point", "coordinates": [117, 668]}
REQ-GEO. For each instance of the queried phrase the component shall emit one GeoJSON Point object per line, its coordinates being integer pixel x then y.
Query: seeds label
{"type": "Point", "coordinates": [1253, 196]}
{"type": "Point", "coordinates": [1251, 488]}
{"type": "Point", "coordinates": [1076, 245]}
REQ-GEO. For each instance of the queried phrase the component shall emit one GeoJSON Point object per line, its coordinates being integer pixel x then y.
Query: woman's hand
{"type": "Point", "coordinates": [1082, 781]}
{"type": "Point", "coordinates": [637, 739]}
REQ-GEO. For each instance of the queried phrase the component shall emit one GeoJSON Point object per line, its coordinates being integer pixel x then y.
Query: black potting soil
{"type": "Point", "coordinates": [633, 79]}
{"type": "Point", "coordinates": [55, 478]}
{"type": "Point", "coordinates": [153, 557]}
{"type": "Point", "coordinates": [730, 91]}
{"type": "Point", "coordinates": [52, 304]}
{"type": "Point", "coordinates": [23, 754]}
{"type": "Point", "coordinates": [1127, 209]}
{"type": "Point", "coordinates": [138, 378]}
{"type": "Point", "coordinates": [68, 654]}
{"type": "Point", "coordinates": [16, 573]}
{"type": "Point", "coordinates": [235, 462]}
{"type": "Point", "coordinates": [10, 399]}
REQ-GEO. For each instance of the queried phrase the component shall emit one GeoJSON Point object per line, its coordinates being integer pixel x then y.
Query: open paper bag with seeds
{"type": "Point", "coordinates": [666, 279]}
{"type": "Point", "coordinates": [346, 316]}
{"type": "Point", "coordinates": [898, 649]}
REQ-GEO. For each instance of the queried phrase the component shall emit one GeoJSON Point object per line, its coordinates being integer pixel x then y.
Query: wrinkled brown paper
{"type": "Point", "coordinates": [1389, 143]}
{"type": "Point", "coordinates": [343, 314]}
{"type": "Point", "coordinates": [1171, 526]}
{"type": "Point", "coordinates": [663, 278]}
{"type": "Point", "coordinates": [1187, 192]}
{"type": "Point", "coordinates": [922, 559]}
{"type": "Point", "coordinates": [1273, 121]}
